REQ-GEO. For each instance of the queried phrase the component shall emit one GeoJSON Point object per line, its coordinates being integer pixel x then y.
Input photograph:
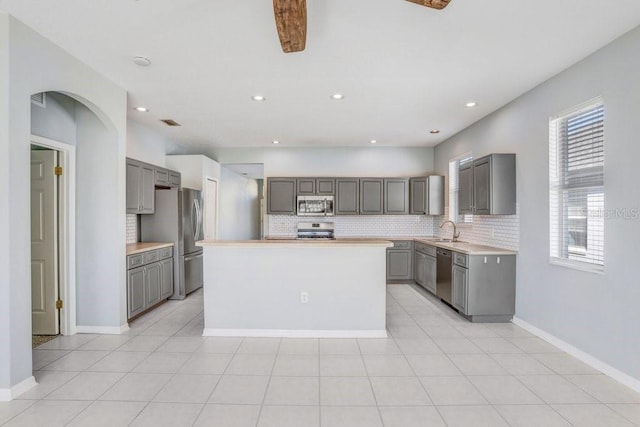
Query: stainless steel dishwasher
{"type": "Point", "coordinates": [443, 275]}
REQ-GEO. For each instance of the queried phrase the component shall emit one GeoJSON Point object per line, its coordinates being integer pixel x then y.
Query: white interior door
{"type": "Point", "coordinates": [211, 209]}
{"type": "Point", "coordinates": [44, 243]}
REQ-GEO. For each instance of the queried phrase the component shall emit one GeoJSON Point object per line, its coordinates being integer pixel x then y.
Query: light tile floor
{"type": "Point", "coordinates": [435, 369]}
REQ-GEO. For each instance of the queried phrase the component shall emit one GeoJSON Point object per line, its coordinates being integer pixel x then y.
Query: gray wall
{"type": "Point", "coordinates": [597, 313]}
{"type": "Point", "coordinates": [238, 207]}
{"type": "Point", "coordinates": [57, 120]}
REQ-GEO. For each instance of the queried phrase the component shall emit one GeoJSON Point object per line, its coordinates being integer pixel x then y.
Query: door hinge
{"type": "Point", "coordinates": [57, 171]}
{"type": "Point", "coordinates": [58, 304]}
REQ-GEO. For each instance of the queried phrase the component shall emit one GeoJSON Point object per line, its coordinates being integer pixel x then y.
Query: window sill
{"type": "Point", "coordinates": [577, 265]}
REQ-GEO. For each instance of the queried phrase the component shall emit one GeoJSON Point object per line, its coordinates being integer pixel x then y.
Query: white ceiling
{"type": "Point", "coordinates": [404, 69]}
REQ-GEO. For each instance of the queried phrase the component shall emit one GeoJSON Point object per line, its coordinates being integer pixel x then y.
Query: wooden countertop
{"type": "Point", "coordinates": [292, 242]}
{"type": "Point", "coordinates": [136, 248]}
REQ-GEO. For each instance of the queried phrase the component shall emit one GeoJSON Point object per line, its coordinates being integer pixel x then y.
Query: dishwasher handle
{"type": "Point", "coordinates": [444, 253]}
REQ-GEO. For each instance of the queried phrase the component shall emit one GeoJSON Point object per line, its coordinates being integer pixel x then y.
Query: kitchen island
{"type": "Point", "coordinates": [294, 288]}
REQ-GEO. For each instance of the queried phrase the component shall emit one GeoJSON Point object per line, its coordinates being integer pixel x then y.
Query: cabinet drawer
{"type": "Point", "coordinates": [165, 253]}
{"type": "Point", "coordinates": [150, 256]}
{"type": "Point", "coordinates": [402, 244]}
{"type": "Point", "coordinates": [134, 261]}
{"type": "Point", "coordinates": [427, 249]}
{"type": "Point", "coordinates": [460, 259]}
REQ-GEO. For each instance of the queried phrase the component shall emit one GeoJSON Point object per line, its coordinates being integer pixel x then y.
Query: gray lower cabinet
{"type": "Point", "coordinates": [400, 260]}
{"type": "Point", "coordinates": [347, 196]}
{"type": "Point", "coordinates": [396, 196]}
{"type": "Point", "coordinates": [426, 195]}
{"type": "Point", "coordinates": [484, 286]}
{"type": "Point", "coordinates": [371, 196]}
{"type": "Point", "coordinates": [140, 187]}
{"type": "Point", "coordinates": [281, 196]}
{"type": "Point", "coordinates": [488, 186]}
{"type": "Point", "coordinates": [150, 281]}
{"type": "Point", "coordinates": [425, 267]}
{"type": "Point", "coordinates": [136, 301]}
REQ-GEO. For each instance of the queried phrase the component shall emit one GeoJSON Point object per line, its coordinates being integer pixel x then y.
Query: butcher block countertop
{"type": "Point", "coordinates": [136, 248]}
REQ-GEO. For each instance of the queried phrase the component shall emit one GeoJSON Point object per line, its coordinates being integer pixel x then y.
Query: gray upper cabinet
{"type": "Point", "coordinates": [281, 196]}
{"type": "Point", "coordinates": [316, 186]}
{"type": "Point", "coordinates": [306, 186]}
{"type": "Point", "coordinates": [396, 196]}
{"type": "Point", "coordinates": [347, 196]}
{"type": "Point", "coordinates": [371, 196]}
{"type": "Point", "coordinates": [175, 179]}
{"type": "Point", "coordinates": [162, 177]}
{"type": "Point", "coordinates": [488, 186]}
{"type": "Point", "coordinates": [426, 195]}
{"type": "Point", "coordinates": [140, 187]}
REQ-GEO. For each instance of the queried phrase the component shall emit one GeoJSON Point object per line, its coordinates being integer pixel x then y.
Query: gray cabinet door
{"type": "Point", "coordinates": [166, 278]}
{"type": "Point", "coordinates": [152, 283]}
{"type": "Point", "coordinates": [281, 196]}
{"type": "Point", "coordinates": [430, 265]}
{"type": "Point", "coordinates": [325, 186]}
{"type": "Point", "coordinates": [174, 179]}
{"type": "Point", "coordinates": [371, 196]}
{"type": "Point", "coordinates": [306, 186]}
{"type": "Point", "coordinates": [396, 196]}
{"type": "Point", "coordinates": [162, 177]}
{"type": "Point", "coordinates": [136, 302]}
{"type": "Point", "coordinates": [347, 196]}
{"type": "Point", "coordinates": [133, 186]}
{"type": "Point", "coordinates": [399, 264]}
{"type": "Point", "coordinates": [419, 261]}
{"type": "Point", "coordinates": [418, 196]}
{"type": "Point", "coordinates": [148, 189]}
{"type": "Point", "coordinates": [459, 280]}
{"type": "Point", "coordinates": [482, 186]}
{"type": "Point", "coordinates": [465, 190]}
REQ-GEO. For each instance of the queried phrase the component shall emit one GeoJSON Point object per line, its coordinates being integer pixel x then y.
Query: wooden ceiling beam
{"type": "Point", "coordinates": [435, 4]}
{"type": "Point", "coordinates": [291, 22]}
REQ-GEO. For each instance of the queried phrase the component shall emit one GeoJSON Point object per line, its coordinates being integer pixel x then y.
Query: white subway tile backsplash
{"type": "Point", "coordinates": [132, 228]}
{"type": "Point", "coordinates": [361, 225]}
{"type": "Point", "coordinates": [501, 231]}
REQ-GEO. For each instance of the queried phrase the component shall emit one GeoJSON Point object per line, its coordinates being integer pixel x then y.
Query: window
{"type": "Point", "coordinates": [576, 186]}
{"type": "Point", "coordinates": [454, 188]}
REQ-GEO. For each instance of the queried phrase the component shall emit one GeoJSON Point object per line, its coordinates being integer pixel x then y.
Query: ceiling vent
{"type": "Point", "coordinates": [39, 99]}
{"type": "Point", "coordinates": [170, 122]}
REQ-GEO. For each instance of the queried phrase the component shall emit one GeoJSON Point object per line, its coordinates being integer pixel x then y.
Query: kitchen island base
{"type": "Point", "coordinates": [272, 288]}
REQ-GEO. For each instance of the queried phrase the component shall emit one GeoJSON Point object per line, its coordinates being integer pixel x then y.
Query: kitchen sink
{"type": "Point", "coordinates": [443, 240]}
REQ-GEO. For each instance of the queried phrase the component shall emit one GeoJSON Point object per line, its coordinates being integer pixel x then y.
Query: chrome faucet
{"type": "Point", "coordinates": [456, 233]}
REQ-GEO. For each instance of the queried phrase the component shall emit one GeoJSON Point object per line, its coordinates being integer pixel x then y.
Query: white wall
{"type": "Point", "coordinates": [148, 145]}
{"type": "Point", "coordinates": [238, 207]}
{"type": "Point", "coordinates": [597, 313]}
{"type": "Point", "coordinates": [31, 64]}
{"type": "Point", "coordinates": [367, 162]}
{"type": "Point", "coordinates": [57, 120]}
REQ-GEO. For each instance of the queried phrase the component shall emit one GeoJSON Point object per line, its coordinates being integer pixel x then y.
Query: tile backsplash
{"type": "Point", "coordinates": [132, 228]}
{"type": "Point", "coordinates": [501, 231]}
{"type": "Point", "coordinates": [361, 225]}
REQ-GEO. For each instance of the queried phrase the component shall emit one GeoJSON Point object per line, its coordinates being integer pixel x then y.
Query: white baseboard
{"type": "Point", "coordinates": [104, 330]}
{"type": "Point", "coordinates": [8, 394]}
{"type": "Point", "coordinates": [595, 363]}
{"type": "Point", "coordinates": [294, 333]}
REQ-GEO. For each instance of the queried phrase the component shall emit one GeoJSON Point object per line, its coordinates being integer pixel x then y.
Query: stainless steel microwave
{"type": "Point", "coordinates": [315, 205]}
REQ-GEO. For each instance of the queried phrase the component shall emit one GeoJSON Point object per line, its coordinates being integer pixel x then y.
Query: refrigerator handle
{"type": "Point", "coordinates": [194, 221]}
{"type": "Point", "coordinates": [199, 217]}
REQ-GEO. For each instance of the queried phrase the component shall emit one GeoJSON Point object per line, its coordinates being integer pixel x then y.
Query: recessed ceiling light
{"type": "Point", "coordinates": [337, 96]}
{"type": "Point", "coordinates": [275, 142]}
{"type": "Point", "coordinates": [434, 131]}
{"type": "Point", "coordinates": [142, 109]}
{"type": "Point", "coordinates": [373, 141]}
{"type": "Point", "coordinates": [470, 104]}
{"type": "Point", "coordinates": [258, 98]}
{"type": "Point", "coordinates": [142, 61]}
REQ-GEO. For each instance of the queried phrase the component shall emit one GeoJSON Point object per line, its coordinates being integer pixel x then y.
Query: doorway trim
{"type": "Point", "coordinates": [66, 230]}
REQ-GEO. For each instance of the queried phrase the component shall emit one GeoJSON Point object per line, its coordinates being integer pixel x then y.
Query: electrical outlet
{"type": "Point", "coordinates": [304, 297]}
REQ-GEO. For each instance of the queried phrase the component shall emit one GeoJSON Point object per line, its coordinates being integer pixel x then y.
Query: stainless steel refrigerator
{"type": "Point", "coordinates": [178, 218]}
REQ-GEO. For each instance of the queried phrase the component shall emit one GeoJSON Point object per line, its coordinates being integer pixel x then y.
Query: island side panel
{"type": "Point", "coordinates": [253, 291]}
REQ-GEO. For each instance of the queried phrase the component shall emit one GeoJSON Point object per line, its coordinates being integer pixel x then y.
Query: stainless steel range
{"type": "Point", "coordinates": [316, 230]}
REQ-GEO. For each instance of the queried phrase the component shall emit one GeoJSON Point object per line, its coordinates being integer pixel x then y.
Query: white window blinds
{"type": "Point", "coordinates": [454, 189]}
{"type": "Point", "coordinates": [576, 180]}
